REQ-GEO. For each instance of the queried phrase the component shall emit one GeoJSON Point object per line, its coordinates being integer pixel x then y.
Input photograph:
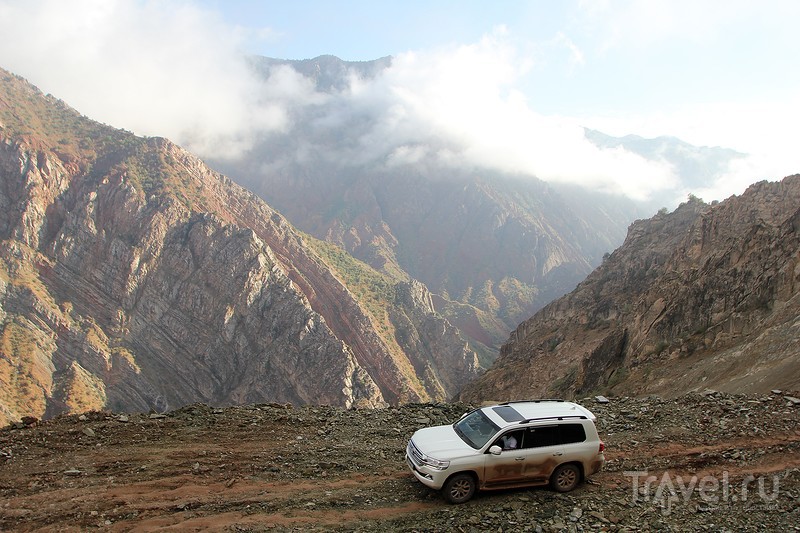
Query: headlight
{"type": "Point", "coordinates": [436, 463]}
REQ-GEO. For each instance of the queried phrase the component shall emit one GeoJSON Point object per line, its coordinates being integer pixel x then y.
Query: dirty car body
{"type": "Point", "coordinates": [515, 444]}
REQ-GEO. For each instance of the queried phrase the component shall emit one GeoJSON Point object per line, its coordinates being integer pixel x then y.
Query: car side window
{"type": "Point", "coordinates": [571, 433]}
{"type": "Point", "coordinates": [510, 441]}
{"type": "Point", "coordinates": [537, 437]}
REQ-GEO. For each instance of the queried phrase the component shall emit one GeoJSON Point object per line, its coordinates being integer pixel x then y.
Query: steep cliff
{"type": "Point", "coordinates": [704, 297]}
{"type": "Point", "coordinates": [134, 277]}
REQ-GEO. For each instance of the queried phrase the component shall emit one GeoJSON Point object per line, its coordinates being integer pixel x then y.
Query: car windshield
{"type": "Point", "coordinates": [475, 429]}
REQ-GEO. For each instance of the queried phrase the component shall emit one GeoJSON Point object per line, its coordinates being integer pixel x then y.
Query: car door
{"type": "Point", "coordinates": [543, 453]}
{"type": "Point", "coordinates": [507, 468]}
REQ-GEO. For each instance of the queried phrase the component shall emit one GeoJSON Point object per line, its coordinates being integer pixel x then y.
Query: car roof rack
{"type": "Point", "coordinates": [537, 400]}
{"type": "Point", "coordinates": [564, 417]}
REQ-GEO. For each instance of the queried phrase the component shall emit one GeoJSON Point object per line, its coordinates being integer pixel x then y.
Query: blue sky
{"type": "Point", "coordinates": [490, 74]}
{"type": "Point", "coordinates": [364, 30]}
{"type": "Point", "coordinates": [592, 55]}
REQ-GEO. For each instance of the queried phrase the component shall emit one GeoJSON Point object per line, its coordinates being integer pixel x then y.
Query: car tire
{"type": "Point", "coordinates": [459, 488]}
{"type": "Point", "coordinates": [565, 478]}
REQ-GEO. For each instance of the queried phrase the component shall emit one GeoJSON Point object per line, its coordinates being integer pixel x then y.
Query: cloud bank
{"type": "Point", "coordinates": [156, 68]}
{"type": "Point", "coordinates": [176, 70]}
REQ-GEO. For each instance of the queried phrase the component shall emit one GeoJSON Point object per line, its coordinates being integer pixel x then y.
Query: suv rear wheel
{"type": "Point", "coordinates": [459, 488]}
{"type": "Point", "coordinates": [565, 478]}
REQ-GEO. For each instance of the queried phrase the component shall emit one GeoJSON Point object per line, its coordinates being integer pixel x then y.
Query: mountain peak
{"type": "Point", "coordinates": [328, 72]}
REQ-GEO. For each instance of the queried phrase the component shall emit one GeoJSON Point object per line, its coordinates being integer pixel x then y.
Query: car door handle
{"type": "Point", "coordinates": [519, 458]}
{"type": "Point", "coordinates": [558, 453]}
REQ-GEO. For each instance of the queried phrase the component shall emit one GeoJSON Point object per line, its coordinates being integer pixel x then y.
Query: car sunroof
{"type": "Point", "coordinates": [508, 413]}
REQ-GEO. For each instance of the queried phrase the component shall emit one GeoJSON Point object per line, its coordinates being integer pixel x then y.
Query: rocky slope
{"type": "Point", "coordinates": [134, 277]}
{"type": "Point", "coordinates": [706, 296]}
{"type": "Point", "coordinates": [731, 463]}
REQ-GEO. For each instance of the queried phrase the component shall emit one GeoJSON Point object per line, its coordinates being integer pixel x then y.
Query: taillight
{"type": "Point", "coordinates": [602, 447]}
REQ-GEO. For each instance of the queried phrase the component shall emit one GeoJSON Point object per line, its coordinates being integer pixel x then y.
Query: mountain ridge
{"type": "Point", "coordinates": [134, 276]}
{"type": "Point", "coordinates": [706, 296]}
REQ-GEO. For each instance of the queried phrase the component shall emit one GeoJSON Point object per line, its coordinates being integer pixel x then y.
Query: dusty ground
{"type": "Point", "coordinates": [270, 467]}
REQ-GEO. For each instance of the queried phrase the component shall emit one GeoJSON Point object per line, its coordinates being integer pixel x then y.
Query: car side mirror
{"type": "Point", "coordinates": [495, 450]}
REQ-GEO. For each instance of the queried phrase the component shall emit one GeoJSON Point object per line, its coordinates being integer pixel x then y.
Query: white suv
{"type": "Point", "coordinates": [513, 444]}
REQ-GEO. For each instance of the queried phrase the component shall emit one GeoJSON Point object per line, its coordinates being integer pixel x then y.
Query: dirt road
{"type": "Point", "coordinates": [271, 467]}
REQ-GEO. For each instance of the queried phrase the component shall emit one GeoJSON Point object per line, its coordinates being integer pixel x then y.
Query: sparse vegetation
{"type": "Point", "coordinates": [566, 383]}
{"type": "Point", "coordinates": [660, 347]}
{"type": "Point", "coordinates": [692, 198]}
{"type": "Point", "coordinates": [553, 343]}
{"type": "Point", "coordinates": [120, 353]}
{"type": "Point", "coordinates": [82, 390]}
{"type": "Point", "coordinates": [376, 295]}
{"type": "Point", "coordinates": [23, 275]}
{"type": "Point", "coordinates": [95, 337]}
{"type": "Point", "coordinates": [617, 376]}
{"type": "Point", "coordinates": [374, 291]}
{"type": "Point", "coordinates": [21, 387]}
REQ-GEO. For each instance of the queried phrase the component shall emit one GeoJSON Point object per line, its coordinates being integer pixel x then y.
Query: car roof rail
{"type": "Point", "coordinates": [564, 417]}
{"type": "Point", "coordinates": [536, 400]}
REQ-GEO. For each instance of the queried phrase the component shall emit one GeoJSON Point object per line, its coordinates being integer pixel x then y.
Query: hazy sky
{"type": "Point", "coordinates": [499, 77]}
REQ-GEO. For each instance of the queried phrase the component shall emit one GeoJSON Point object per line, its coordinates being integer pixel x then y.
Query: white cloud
{"type": "Point", "coordinates": [576, 55]}
{"type": "Point", "coordinates": [174, 69]}
{"type": "Point", "coordinates": [764, 131]}
{"type": "Point", "coordinates": [462, 104]}
{"type": "Point", "coordinates": [156, 68]}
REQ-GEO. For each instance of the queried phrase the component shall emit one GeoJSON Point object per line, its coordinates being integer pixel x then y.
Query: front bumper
{"type": "Point", "coordinates": [427, 476]}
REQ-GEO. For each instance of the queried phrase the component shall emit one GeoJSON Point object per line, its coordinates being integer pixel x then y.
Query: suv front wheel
{"type": "Point", "coordinates": [459, 488]}
{"type": "Point", "coordinates": [565, 478]}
